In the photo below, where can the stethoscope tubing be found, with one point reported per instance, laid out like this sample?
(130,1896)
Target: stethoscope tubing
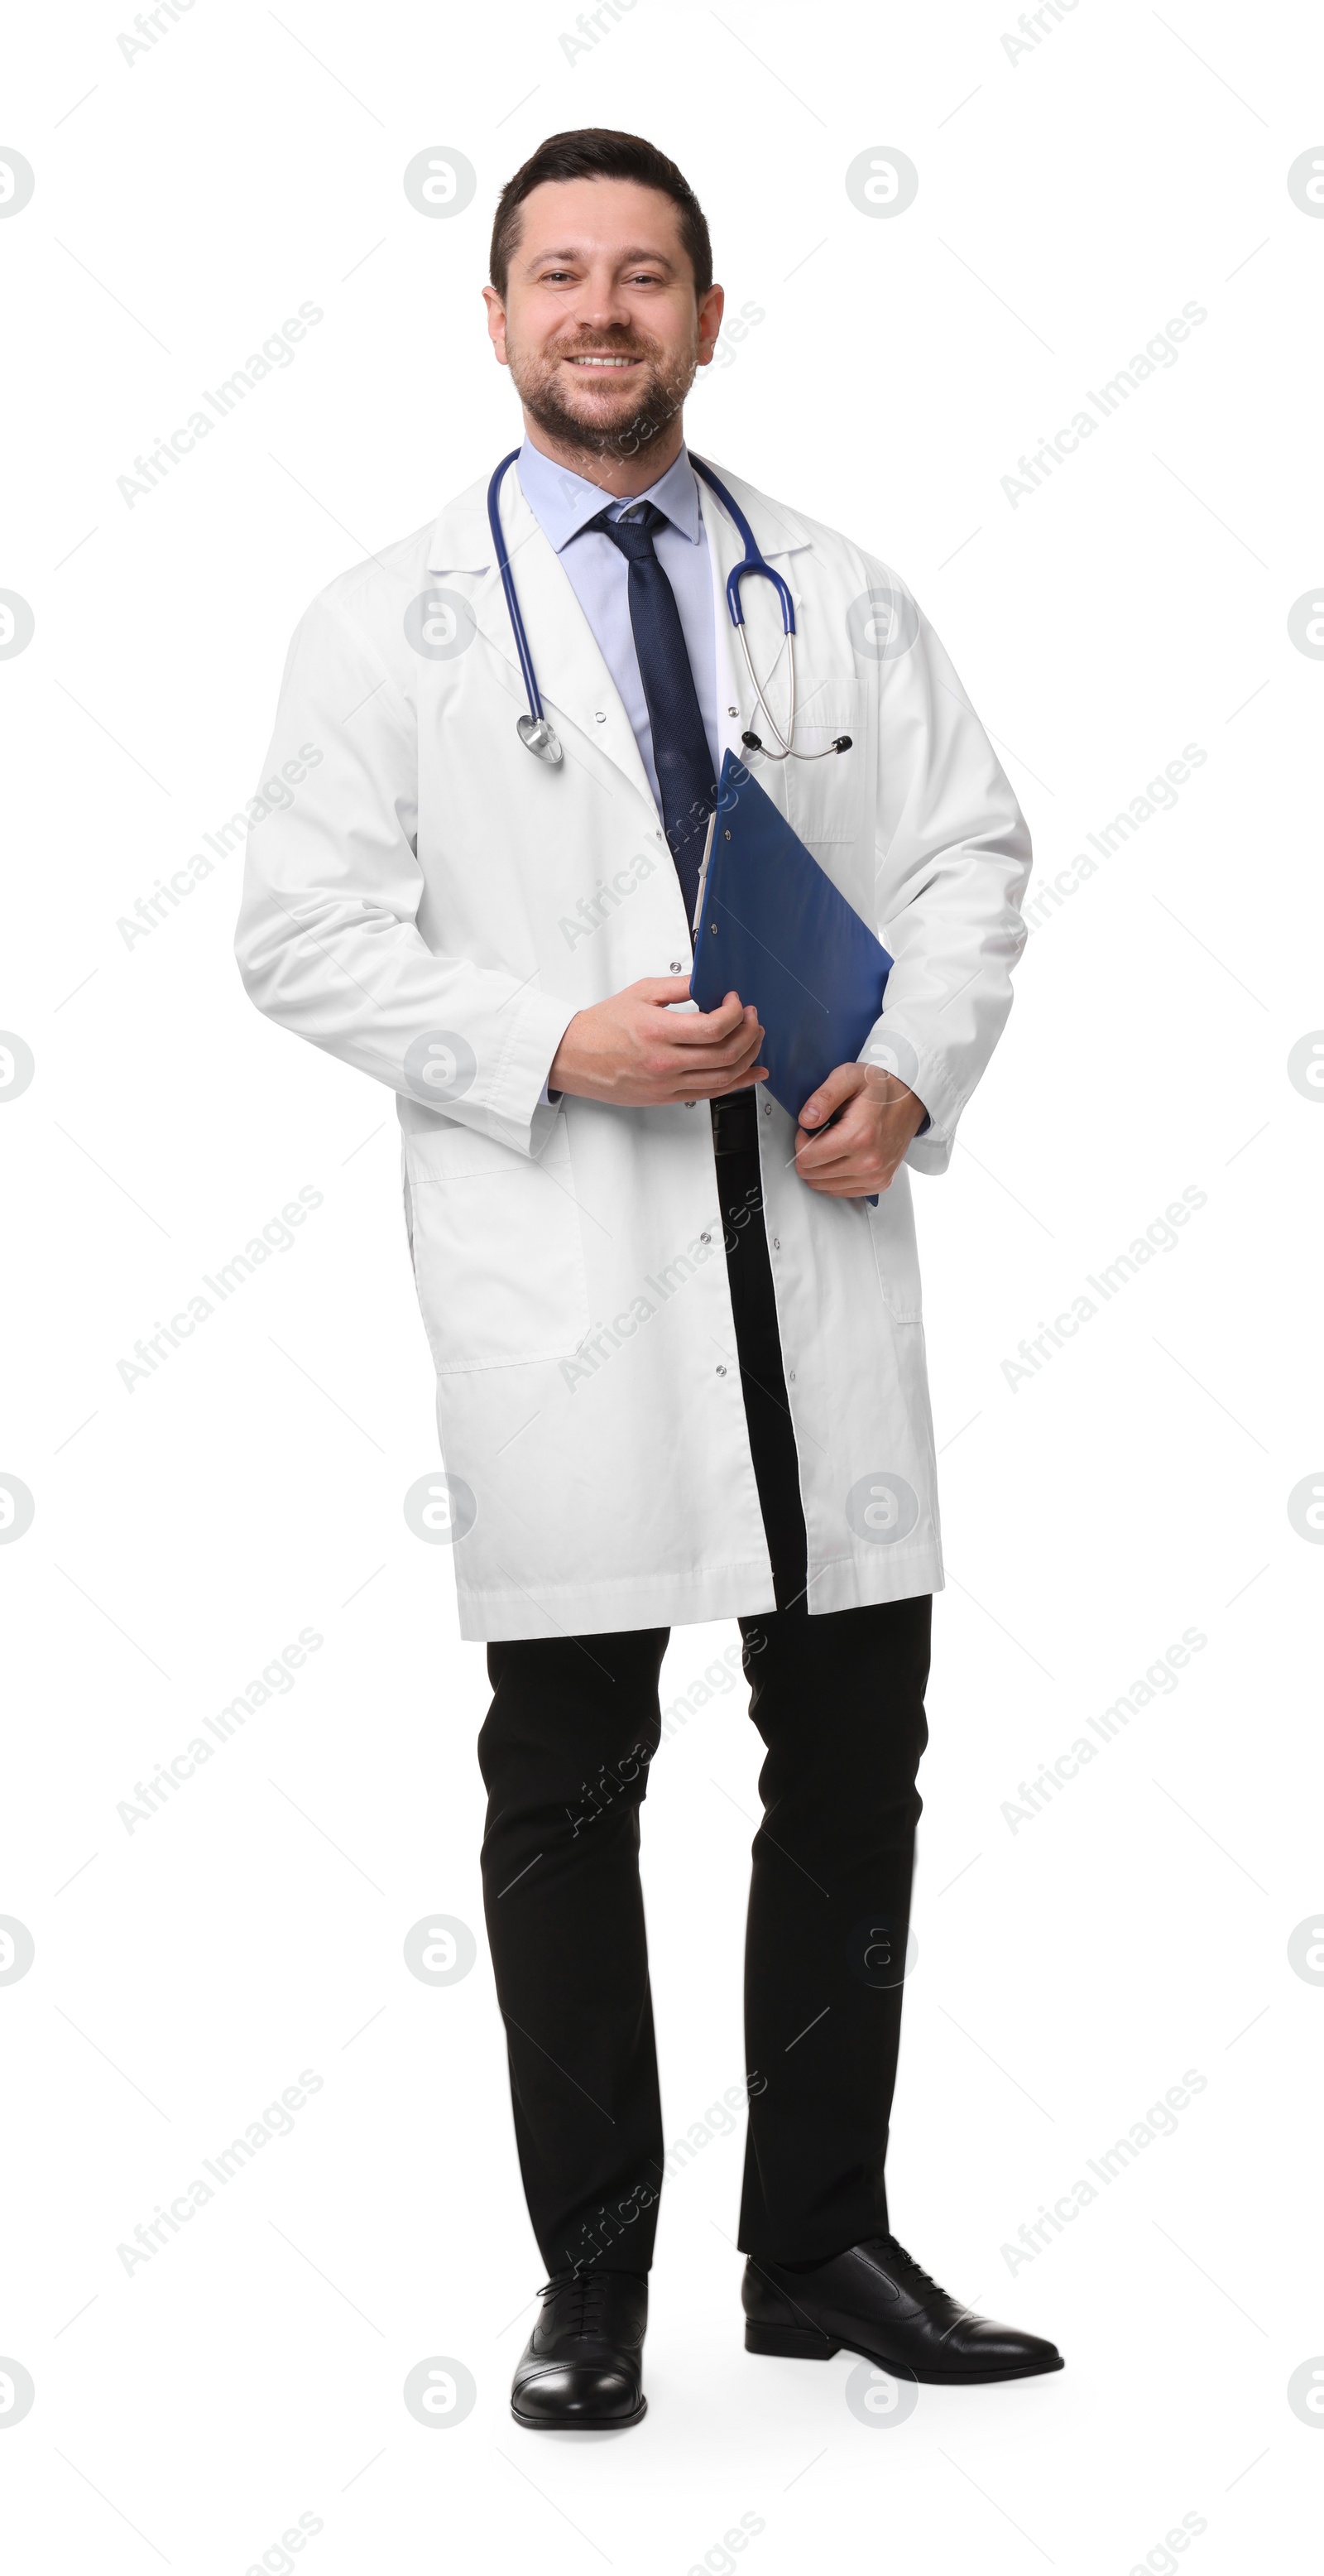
(751,562)
(508,585)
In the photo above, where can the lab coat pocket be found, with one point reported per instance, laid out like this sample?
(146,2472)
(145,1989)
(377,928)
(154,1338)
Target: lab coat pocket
(896,1253)
(825,797)
(497,1253)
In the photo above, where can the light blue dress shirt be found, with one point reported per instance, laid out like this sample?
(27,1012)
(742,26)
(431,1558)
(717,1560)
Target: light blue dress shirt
(563,503)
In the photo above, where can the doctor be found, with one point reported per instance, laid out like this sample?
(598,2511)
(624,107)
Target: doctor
(680,1358)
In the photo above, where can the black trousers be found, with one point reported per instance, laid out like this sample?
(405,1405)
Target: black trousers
(565,1752)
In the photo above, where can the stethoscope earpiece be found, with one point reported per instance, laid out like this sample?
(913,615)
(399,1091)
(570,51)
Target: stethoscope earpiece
(842,743)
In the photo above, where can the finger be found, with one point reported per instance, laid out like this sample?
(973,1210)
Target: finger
(706,1086)
(734,1057)
(742,1046)
(715,1086)
(848,1173)
(700,1028)
(852,1175)
(840,1085)
(661,988)
(836,1175)
(750,1074)
(838,1143)
(856,1185)
(739,1048)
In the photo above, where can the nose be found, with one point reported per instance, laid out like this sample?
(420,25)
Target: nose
(601,303)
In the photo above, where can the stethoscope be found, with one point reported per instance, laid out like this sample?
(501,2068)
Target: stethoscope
(539,735)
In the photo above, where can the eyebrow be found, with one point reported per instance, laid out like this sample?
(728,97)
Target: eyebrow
(575,251)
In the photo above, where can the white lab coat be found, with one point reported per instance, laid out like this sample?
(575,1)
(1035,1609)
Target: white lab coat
(435,905)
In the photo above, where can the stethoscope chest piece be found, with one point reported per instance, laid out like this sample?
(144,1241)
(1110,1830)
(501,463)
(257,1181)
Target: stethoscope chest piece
(537,735)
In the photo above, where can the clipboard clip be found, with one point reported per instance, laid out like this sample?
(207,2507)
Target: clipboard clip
(703,873)
(739,778)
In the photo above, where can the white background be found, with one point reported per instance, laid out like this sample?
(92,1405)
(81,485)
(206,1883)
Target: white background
(1069,1972)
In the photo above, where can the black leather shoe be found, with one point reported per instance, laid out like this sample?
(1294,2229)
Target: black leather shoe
(875,2300)
(582,2367)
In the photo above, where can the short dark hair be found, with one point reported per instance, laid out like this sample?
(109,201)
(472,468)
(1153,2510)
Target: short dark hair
(599,152)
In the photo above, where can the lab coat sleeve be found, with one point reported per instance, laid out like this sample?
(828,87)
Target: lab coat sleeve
(952,861)
(328,942)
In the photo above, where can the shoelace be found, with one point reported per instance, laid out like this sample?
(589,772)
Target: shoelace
(586,2296)
(898,2254)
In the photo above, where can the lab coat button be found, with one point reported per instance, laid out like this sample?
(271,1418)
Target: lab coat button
(721,1368)
(600,713)
(776,1242)
(676,968)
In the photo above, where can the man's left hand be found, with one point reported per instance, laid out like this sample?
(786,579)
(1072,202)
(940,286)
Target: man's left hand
(861,1151)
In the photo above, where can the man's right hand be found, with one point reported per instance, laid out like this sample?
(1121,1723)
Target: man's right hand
(636,1051)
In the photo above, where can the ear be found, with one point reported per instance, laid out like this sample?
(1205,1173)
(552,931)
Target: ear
(711,308)
(496,323)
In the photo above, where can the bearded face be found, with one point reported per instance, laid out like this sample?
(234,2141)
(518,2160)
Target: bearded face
(607,393)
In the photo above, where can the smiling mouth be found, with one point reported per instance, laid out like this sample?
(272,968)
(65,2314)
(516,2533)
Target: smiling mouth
(594,359)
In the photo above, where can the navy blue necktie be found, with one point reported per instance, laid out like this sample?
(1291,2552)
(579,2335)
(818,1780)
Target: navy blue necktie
(681,755)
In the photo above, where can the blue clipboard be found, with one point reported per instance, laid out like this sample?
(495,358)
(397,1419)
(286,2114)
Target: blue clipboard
(772,927)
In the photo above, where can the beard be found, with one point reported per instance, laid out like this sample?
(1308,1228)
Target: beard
(651,404)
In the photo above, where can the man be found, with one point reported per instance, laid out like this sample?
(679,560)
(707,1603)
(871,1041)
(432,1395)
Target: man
(679,1353)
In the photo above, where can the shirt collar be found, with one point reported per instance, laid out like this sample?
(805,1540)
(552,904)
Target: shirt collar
(563,503)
